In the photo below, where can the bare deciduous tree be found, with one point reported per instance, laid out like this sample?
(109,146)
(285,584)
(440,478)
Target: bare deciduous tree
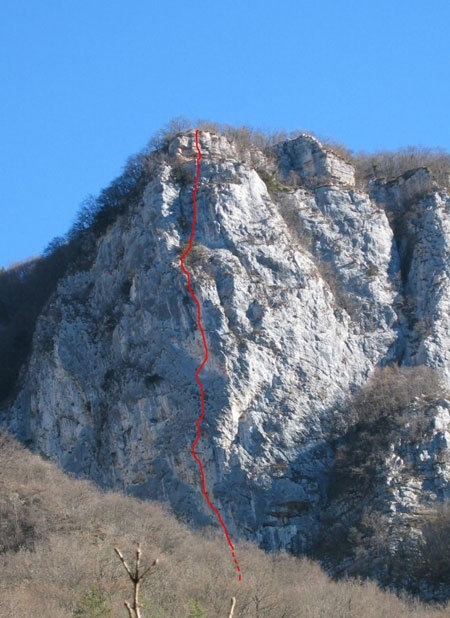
(136,577)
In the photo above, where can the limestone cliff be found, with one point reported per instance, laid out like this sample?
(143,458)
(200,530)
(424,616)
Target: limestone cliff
(304,289)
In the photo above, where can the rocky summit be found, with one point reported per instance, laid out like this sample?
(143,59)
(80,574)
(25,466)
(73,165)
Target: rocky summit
(314,289)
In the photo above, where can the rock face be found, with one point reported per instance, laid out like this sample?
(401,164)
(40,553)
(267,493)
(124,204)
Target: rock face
(303,293)
(315,165)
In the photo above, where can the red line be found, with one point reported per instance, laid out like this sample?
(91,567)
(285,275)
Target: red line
(205,359)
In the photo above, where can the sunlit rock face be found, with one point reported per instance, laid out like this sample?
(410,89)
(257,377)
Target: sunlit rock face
(314,164)
(304,290)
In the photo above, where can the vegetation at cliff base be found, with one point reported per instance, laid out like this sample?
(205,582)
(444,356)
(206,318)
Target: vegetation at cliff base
(57,536)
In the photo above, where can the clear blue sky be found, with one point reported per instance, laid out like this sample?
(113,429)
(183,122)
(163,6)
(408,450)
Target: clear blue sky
(85,83)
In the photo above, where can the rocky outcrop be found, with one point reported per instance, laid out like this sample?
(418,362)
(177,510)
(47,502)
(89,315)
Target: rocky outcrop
(419,218)
(314,164)
(303,294)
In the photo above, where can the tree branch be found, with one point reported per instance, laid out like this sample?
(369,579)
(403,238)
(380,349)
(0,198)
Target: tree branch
(233,603)
(127,568)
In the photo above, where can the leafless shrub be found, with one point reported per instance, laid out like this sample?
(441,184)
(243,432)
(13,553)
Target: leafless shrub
(275,183)
(424,558)
(182,173)
(342,299)
(198,258)
(393,397)
(209,125)
(387,165)
(434,549)
(337,148)
(391,390)
(161,139)
(244,137)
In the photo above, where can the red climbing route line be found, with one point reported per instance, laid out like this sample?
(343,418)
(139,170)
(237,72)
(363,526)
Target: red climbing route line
(204,361)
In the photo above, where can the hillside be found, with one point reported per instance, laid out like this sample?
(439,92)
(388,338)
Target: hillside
(56,553)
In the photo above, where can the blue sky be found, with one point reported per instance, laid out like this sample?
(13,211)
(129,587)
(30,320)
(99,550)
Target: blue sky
(86,83)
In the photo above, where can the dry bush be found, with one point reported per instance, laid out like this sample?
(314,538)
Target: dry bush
(343,299)
(182,173)
(335,147)
(391,390)
(429,557)
(245,137)
(387,165)
(393,397)
(161,139)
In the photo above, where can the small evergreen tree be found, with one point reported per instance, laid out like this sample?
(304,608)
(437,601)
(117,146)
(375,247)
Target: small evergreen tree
(93,604)
(195,609)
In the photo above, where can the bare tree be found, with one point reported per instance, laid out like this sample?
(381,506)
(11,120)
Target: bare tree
(136,577)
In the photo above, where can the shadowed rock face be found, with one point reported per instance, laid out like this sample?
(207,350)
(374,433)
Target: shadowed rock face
(303,293)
